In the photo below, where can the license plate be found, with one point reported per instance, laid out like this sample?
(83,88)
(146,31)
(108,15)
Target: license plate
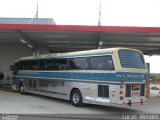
(135,94)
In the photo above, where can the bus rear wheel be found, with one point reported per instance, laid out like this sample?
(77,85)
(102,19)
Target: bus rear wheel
(22,89)
(76,98)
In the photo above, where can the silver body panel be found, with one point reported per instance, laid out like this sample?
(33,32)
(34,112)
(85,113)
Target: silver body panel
(62,89)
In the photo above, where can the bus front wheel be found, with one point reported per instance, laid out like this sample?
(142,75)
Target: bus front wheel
(76,98)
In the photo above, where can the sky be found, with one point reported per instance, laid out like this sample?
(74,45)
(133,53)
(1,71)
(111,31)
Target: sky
(86,12)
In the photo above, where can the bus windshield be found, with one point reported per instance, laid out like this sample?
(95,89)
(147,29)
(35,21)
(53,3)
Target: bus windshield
(131,59)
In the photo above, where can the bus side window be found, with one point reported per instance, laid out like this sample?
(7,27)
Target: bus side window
(47,65)
(79,64)
(16,66)
(33,65)
(23,65)
(41,65)
(61,64)
(72,64)
(56,65)
(102,63)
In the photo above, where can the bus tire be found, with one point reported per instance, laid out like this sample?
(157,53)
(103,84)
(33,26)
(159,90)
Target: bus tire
(22,89)
(76,98)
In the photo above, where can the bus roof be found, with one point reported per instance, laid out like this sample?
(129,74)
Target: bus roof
(78,53)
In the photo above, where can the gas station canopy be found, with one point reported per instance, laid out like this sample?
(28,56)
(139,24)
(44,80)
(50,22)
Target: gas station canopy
(64,38)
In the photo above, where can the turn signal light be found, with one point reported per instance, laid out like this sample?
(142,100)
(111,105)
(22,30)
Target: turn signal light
(122,92)
(122,86)
(122,80)
(121,97)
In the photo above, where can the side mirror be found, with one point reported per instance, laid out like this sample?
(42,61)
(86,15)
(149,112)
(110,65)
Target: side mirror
(12,68)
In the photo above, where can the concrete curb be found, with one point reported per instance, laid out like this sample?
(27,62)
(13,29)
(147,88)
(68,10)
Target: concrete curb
(9,92)
(8,89)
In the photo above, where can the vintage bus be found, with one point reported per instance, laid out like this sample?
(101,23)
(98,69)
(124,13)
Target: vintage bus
(114,76)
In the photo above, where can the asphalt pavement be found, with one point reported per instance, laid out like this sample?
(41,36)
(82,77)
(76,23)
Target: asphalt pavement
(15,103)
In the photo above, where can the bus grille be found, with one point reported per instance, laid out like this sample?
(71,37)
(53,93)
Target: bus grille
(103,91)
(128,90)
(142,92)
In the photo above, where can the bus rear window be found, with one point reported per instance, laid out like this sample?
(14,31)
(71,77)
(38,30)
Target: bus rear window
(131,59)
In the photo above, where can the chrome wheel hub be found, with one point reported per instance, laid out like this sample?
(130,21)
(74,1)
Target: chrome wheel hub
(22,89)
(76,98)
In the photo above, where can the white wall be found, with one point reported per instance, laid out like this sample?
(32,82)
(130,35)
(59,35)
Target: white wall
(10,53)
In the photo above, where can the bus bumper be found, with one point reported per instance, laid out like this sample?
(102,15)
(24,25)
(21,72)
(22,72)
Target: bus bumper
(130,103)
(109,102)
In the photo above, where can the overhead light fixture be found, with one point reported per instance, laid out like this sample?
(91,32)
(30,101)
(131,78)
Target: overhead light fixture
(23,41)
(29,45)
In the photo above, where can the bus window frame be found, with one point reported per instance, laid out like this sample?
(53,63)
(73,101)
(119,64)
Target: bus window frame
(102,56)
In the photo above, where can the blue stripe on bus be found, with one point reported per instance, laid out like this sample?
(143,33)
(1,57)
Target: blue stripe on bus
(80,80)
(116,77)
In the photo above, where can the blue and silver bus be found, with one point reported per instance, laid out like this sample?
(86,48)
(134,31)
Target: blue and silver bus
(114,76)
